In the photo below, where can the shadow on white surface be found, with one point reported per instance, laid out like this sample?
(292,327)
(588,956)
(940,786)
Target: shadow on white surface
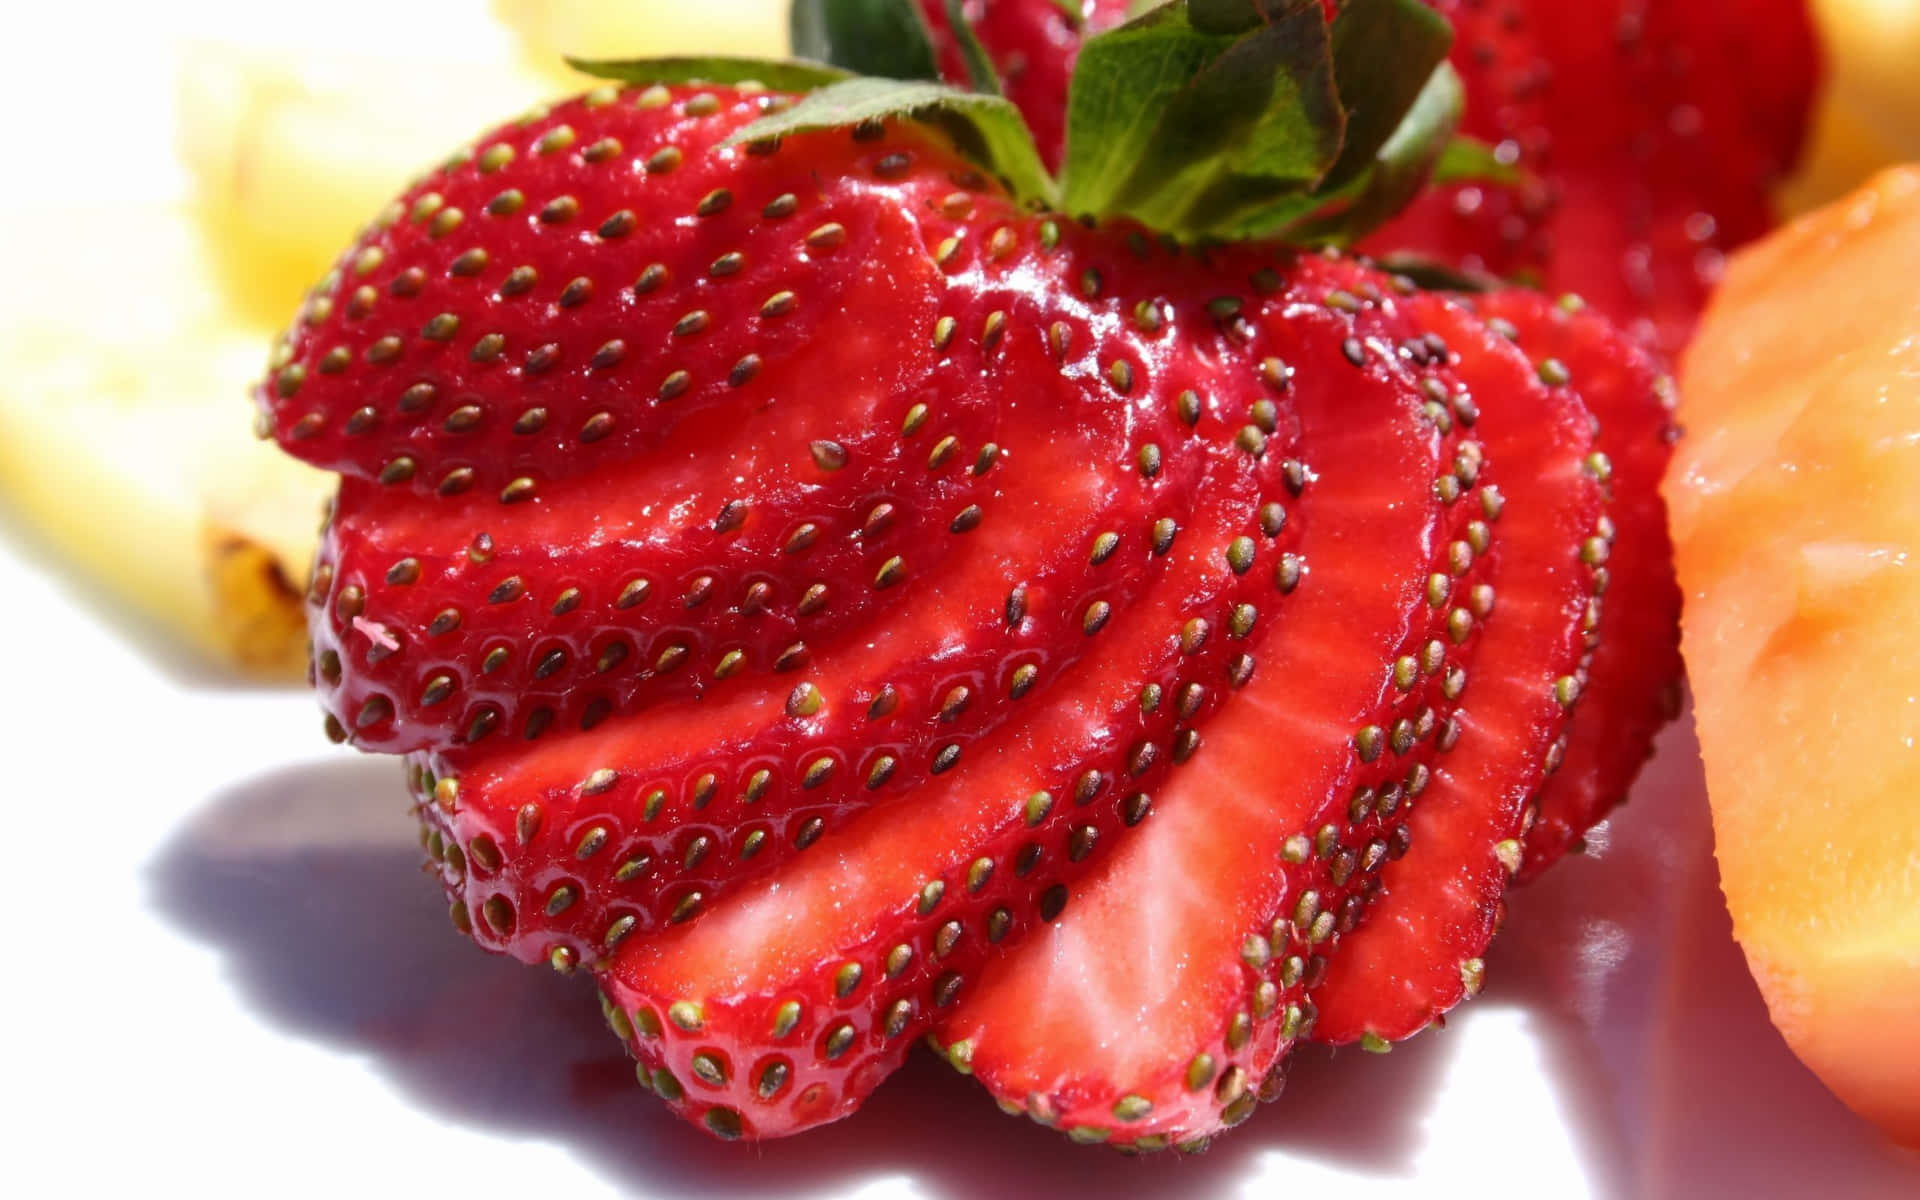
(1668,1067)
(308,879)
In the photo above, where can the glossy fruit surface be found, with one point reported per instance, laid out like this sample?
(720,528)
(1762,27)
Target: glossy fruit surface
(812,584)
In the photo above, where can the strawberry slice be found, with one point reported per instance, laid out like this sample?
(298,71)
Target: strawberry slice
(1199,937)
(554,544)
(552,301)
(777,1031)
(1634,681)
(560,842)
(697,795)
(1417,953)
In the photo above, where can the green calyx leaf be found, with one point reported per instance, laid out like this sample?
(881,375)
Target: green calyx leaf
(1469,160)
(1207,120)
(1223,16)
(1384,55)
(1233,119)
(781,75)
(883,38)
(1185,129)
(986,129)
(1389,181)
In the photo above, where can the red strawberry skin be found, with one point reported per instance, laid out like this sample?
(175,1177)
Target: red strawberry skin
(1652,134)
(1634,680)
(507,641)
(1145,474)
(1160,1007)
(1631,204)
(916,896)
(533,452)
(789,940)
(1418,951)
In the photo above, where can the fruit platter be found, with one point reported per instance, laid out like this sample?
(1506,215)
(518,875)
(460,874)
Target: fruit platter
(1215,595)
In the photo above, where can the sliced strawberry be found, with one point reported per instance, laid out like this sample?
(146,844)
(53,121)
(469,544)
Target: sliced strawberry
(695,795)
(1001,560)
(1634,680)
(571,293)
(1650,136)
(1200,936)
(596,832)
(590,559)
(798,995)
(1418,950)
(915,897)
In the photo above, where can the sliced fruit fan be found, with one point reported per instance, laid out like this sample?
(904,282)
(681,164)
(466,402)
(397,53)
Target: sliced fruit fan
(851,560)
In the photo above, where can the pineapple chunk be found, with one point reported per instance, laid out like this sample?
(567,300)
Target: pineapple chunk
(290,154)
(549,30)
(128,446)
(1869,111)
(289,157)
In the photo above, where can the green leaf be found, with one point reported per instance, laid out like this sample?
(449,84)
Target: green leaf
(1123,81)
(1470,160)
(987,129)
(1187,130)
(885,38)
(783,75)
(979,65)
(1225,16)
(1384,53)
(1400,168)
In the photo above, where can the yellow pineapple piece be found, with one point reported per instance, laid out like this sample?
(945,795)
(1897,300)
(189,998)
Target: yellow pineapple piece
(290,155)
(128,446)
(551,30)
(1868,115)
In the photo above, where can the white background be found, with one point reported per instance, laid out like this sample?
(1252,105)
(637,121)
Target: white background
(227,976)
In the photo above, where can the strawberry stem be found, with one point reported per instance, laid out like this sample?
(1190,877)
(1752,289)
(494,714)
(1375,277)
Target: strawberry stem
(1206,120)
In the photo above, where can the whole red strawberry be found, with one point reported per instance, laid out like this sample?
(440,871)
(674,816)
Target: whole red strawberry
(834,598)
